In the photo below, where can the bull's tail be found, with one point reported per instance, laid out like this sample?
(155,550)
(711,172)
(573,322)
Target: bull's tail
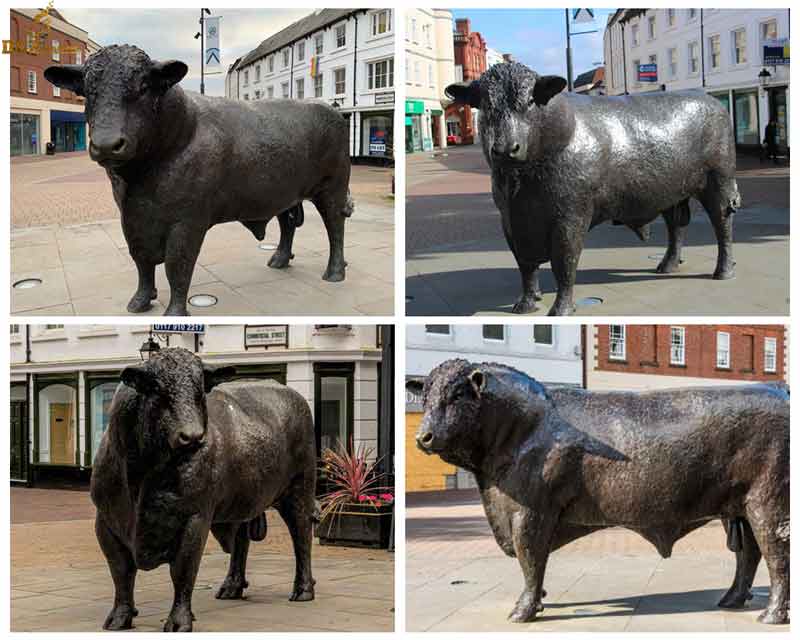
(257,527)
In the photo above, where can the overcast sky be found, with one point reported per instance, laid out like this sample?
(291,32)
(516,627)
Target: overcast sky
(537,37)
(169,34)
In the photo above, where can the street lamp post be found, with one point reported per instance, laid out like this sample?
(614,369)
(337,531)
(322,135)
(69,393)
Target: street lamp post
(569,48)
(202,35)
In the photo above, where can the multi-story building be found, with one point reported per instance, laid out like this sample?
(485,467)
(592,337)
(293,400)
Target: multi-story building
(493,57)
(549,353)
(740,56)
(470,63)
(429,70)
(40,111)
(63,379)
(591,83)
(342,56)
(639,357)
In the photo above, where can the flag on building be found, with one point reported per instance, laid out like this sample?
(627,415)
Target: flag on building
(211,54)
(314,66)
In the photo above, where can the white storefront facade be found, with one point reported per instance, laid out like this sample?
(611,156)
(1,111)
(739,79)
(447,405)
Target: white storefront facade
(429,68)
(721,51)
(63,378)
(342,56)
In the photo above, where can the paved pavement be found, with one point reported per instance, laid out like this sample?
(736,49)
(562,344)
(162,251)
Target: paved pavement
(85,268)
(457,579)
(458,262)
(60,581)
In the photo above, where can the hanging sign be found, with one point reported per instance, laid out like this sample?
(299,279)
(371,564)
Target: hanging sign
(212,54)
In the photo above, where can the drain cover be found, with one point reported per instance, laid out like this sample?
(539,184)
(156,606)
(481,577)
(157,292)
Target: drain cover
(203,300)
(267,246)
(27,283)
(589,301)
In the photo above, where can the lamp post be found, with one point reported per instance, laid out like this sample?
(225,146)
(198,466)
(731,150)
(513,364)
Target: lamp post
(202,35)
(569,48)
(763,77)
(150,346)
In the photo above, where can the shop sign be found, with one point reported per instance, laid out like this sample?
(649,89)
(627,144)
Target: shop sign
(384,98)
(179,328)
(415,106)
(776,52)
(266,335)
(648,72)
(377,142)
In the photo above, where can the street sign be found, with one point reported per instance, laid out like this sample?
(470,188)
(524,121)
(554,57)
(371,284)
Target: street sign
(384,98)
(212,52)
(179,328)
(775,52)
(582,15)
(648,72)
(266,335)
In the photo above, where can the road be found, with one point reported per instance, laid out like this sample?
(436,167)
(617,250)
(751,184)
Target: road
(457,578)
(458,262)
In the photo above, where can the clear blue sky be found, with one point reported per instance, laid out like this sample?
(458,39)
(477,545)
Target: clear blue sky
(537,37)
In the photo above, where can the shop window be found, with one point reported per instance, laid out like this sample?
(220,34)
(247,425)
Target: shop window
(377,135)
(543,334)
(745,106)
(677,346)
(380,75)
(333,404)
(19,431)
(723,350)
(57,424)
(101,394)
(24,134)
(770,355)
(341,35)
(616,342)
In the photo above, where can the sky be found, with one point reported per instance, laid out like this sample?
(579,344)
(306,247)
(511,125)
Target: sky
(537,37)
(169,34)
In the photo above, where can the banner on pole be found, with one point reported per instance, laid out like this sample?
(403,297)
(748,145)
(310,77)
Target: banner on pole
(212,54)
(582,15)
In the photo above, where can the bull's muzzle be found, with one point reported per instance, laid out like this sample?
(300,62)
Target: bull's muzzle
(425,441)
(187,439)
(110,150)
(509,152)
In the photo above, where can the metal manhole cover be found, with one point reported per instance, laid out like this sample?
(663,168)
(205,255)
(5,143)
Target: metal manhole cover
(27,283)
(203,300)
(267,246)
(589,301)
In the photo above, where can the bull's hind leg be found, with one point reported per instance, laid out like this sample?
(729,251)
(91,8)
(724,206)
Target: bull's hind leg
(146,291)
(677,220)
(334,205)
(771,532)
(747,560)
(283,254)
(234,539)
(296,508)
(720,200)
(123,573)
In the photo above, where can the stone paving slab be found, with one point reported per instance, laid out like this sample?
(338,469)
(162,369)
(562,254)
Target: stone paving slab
(86,270)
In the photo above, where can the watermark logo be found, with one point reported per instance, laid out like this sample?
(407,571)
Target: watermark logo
(38,42)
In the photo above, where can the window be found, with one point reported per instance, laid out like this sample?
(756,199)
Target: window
(79,57)
(271,64)
(318,85)
(543,334)
(636,70)
(339,78)
(714,51)
(246,78)
(430,75)
(723,350)
(692,14)
(694,62)
(57,424)
(770,355)
(270,92)
(494,332)
(671,17)
(677,346)
(413,30)
(341,35)
(56,91)
(300,88)
(14,328)
(635,35)
(653,59)
(616,342)
(301,51)
(427,31)
(381,22)
(380,75)
(30,43)
(739,46)
(438,329)
(319,44)
(257,95)
(285,89)
(31,82)
(258,73)
(408,70)
(285,58)
(769,30)
(100,398)
(651,28)
(55,47)
(417,72)
(246,96)
(672,54)
(54,327)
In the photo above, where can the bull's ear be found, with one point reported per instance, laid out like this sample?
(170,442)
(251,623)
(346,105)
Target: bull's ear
(415,386)
(66,76)
(212,376)
(165,74)
(139,377)
(463,93)
(546,87)
(478,381)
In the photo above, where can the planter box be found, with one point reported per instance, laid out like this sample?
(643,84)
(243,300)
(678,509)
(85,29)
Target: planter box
(357,525)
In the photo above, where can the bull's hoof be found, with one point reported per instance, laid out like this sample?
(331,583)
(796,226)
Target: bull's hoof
(668,265)
(177,310)
(302,593)
(280,259)
(140,301)
(724,274)
(232,589)
(734,600)
(774,616)
(525,304)
(179,620)
(334,274)
(121,617)
(526,609)
(561,309)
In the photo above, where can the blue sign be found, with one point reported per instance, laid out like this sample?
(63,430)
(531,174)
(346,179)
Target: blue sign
(377,141)
(179,328)
(775,52)
(648,72)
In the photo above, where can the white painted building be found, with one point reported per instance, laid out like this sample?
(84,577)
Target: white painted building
(342,56)
(718,50)
(493,57)
(429,68)
(63,378)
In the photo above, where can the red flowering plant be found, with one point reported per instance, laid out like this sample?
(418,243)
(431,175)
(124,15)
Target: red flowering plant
(354,478)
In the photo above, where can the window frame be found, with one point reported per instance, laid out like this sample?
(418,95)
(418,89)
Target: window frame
(726,351)
(621,339)
(501,340)
(673,360)
(774,353)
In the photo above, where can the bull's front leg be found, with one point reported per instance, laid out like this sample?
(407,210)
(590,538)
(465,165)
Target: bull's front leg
(183,571)
(532,535)
(123,573)
(183,246)
(146,291)
(529,272)
(567,245)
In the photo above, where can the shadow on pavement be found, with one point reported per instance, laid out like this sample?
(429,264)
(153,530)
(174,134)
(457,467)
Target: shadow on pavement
(450,529)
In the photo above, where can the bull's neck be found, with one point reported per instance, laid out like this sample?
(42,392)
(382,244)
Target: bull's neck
(177,122)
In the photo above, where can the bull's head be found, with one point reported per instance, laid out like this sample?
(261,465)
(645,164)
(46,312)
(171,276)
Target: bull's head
(513,101)
(174,383)
(123,89)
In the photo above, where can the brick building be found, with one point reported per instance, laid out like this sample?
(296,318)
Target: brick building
(660,356)
(40,111)
(470,62)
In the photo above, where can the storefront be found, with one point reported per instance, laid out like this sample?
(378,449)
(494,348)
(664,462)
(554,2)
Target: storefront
(68,130)
(377,134)
(24,134)
(746,121)
(778,108)
(19,432)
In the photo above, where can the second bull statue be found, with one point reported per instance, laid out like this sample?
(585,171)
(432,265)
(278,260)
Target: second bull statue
(553,465)
(186,453)
(180,163)
(563,163)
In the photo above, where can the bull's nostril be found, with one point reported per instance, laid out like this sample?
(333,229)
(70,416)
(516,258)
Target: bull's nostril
(426,438)
(119,146)
(183,438)
(515,148)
